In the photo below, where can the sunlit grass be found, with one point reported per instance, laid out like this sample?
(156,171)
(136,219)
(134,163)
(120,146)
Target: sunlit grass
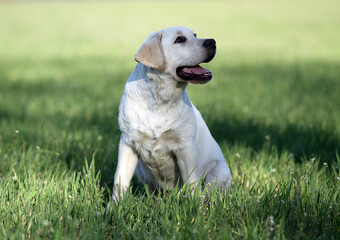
(272,107)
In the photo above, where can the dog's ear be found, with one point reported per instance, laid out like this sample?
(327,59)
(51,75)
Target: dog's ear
(151,53)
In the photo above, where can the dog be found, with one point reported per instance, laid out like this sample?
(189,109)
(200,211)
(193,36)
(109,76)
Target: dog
(164,137)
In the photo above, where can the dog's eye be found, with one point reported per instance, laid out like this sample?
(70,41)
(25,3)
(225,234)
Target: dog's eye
(180,39)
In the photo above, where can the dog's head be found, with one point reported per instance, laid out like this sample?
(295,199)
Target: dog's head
(177,51)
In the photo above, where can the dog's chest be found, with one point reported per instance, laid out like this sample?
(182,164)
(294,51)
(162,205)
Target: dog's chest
(155,146)
(155,131)
(154,136)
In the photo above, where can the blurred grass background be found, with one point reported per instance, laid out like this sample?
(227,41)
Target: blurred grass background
(273,102)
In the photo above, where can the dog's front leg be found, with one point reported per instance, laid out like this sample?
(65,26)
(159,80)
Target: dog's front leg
(127,162)
(187,160)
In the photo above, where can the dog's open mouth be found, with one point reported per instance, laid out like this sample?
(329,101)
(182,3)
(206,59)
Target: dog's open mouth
(195,74)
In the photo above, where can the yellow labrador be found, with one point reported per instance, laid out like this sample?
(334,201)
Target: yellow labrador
(164,137)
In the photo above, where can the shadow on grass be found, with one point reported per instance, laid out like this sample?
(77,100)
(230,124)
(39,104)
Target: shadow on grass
(310,90)
(301,141)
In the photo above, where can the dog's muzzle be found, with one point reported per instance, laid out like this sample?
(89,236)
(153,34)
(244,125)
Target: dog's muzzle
(197,74)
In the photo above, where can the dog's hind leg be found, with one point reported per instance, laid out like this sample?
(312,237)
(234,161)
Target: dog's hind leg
(218,177)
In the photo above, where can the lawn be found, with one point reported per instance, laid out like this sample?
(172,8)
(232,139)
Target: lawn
(273,107)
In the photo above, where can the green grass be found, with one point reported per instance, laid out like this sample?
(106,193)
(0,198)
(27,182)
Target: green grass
(273,107)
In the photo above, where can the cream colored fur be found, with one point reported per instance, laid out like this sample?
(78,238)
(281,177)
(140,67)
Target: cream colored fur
(164,137)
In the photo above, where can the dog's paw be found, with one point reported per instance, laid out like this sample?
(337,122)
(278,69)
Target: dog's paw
(117,195)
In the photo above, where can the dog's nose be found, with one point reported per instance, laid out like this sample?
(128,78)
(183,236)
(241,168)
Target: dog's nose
(209,43)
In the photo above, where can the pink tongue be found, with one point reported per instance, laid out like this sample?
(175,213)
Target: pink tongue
(198,70)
